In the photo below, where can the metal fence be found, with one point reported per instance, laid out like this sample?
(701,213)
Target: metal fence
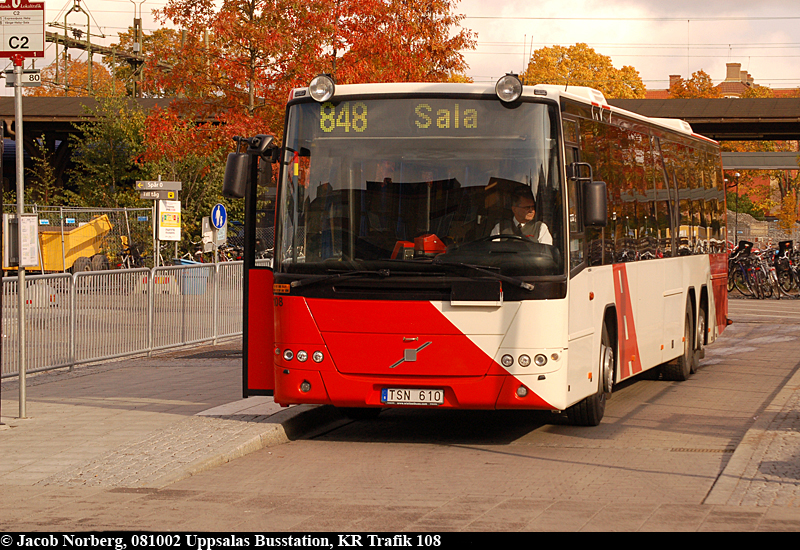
(97,315)
(122,226)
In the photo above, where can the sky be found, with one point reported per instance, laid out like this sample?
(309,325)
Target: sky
(657,38)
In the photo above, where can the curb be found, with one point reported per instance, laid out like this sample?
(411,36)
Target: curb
(301,421)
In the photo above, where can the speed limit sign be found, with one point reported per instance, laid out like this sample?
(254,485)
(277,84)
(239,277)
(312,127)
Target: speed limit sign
(21,28)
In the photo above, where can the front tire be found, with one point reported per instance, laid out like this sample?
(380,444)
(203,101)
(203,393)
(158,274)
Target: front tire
(590,411)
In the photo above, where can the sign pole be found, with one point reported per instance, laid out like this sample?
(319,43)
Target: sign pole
(18,63)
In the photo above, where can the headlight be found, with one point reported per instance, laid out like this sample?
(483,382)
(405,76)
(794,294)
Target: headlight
(524,360)
(540,360)
(507,360)
(508,88)
(302,356)
(321,88)
(288,355)
(318,357)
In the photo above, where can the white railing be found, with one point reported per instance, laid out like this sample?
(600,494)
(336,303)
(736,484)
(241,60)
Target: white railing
(98,315)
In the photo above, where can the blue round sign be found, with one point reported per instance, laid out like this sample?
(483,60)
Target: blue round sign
(219,216)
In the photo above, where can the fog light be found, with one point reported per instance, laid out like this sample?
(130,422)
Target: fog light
(305,387)
(540,360)
(508,88)
(288,355)
(522,391)
(524,360)
(507,360)
(302,356)
(321,88)
(318,357)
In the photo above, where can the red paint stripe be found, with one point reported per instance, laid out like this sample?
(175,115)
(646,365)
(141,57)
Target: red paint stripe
(630,362)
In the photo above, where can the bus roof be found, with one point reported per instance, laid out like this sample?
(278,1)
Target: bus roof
(589,96)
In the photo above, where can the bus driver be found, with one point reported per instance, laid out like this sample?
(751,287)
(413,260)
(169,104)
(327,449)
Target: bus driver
(523,206)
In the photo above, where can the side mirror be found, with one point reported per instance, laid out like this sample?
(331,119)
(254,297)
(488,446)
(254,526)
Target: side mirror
(237,171)
(595,202)
(239,164)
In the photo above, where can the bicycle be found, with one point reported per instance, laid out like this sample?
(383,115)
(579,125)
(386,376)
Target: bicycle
(130,257)
(740,270)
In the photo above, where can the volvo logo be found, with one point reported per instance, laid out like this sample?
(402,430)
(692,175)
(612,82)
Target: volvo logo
(411,354)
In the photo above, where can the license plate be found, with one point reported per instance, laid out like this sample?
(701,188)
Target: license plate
(412,396)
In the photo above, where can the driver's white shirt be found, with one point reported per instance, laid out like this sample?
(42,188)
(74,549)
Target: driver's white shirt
(543,237)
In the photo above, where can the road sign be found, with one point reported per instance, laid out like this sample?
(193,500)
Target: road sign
(219,216)
(21,28)
(159,195)
(30,77)
(158,185)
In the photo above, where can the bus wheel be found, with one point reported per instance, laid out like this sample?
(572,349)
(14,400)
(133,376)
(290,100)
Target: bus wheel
(590,411)
(360,413)
(699,340)
(681,369)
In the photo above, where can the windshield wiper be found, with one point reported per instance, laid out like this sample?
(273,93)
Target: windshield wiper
(383,273)
(483,269)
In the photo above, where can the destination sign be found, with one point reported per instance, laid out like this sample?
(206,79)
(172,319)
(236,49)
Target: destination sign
(424,117)
(158,185)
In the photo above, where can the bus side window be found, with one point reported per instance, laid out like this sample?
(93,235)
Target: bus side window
(576,235)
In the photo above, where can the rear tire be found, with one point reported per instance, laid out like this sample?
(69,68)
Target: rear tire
(699,340)
(741,284)
(99,262)
(681,369)
(82,264)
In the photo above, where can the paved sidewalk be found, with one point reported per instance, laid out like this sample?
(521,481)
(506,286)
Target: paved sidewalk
(141,422)
(149,422)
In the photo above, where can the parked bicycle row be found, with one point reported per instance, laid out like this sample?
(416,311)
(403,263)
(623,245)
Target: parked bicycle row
(768,273)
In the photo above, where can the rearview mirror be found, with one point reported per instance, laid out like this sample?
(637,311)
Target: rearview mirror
(239,165)
(595,202)
(237,170)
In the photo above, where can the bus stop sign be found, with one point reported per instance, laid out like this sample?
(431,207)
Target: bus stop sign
(21,28)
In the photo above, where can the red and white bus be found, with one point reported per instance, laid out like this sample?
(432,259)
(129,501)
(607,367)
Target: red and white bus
(393,282)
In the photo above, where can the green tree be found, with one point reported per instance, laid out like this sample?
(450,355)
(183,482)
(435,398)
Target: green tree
(107,153)
(41,183)
(744,205)
(580,65)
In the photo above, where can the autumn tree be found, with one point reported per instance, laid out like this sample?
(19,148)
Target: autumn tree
(71,78)
(400,41)
(158,47)
(580,65)
(247,54)
(699,86)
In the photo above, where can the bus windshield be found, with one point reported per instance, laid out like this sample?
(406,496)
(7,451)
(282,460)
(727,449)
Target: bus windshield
(412,183)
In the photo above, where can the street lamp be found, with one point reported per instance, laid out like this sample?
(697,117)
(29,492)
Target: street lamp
(736,226)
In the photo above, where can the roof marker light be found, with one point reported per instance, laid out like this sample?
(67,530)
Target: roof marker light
(508,88)
(322,88)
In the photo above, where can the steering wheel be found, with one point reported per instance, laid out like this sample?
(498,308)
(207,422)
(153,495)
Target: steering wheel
(503,236)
